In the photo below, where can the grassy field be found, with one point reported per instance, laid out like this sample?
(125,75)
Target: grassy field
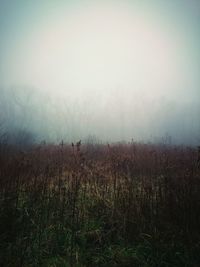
(100,205)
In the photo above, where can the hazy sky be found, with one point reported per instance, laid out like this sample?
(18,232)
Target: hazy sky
(115,69)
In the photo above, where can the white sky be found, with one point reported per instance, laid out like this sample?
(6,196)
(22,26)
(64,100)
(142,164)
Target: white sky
(105,57)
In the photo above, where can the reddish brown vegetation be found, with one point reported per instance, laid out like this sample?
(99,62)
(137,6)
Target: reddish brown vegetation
(100,195)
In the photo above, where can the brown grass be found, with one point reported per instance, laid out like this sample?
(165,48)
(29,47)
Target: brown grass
(58,200)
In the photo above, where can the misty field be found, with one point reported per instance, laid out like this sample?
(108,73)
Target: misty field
(100,205)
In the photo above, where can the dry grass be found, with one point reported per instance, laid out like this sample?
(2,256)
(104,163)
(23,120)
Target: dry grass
(100,205)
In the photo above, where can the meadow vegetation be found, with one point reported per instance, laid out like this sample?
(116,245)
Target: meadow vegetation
(123,204)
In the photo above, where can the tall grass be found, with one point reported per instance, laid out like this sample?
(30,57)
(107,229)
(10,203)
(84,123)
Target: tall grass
(100,205)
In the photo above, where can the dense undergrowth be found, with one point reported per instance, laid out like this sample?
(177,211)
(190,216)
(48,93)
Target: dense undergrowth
(100,205)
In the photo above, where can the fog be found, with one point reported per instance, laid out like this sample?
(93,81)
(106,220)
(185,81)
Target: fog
(116,71)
